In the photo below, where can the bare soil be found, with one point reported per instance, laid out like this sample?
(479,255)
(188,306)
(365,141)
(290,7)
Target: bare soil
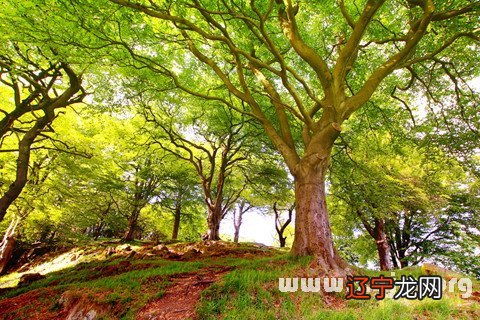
(180,299)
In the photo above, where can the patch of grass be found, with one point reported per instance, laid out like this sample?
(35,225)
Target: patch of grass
(126,292)
(251,292)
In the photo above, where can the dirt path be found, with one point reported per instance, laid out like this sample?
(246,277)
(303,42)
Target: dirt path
(180,299)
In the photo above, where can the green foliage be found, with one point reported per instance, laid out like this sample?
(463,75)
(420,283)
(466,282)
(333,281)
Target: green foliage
(421,192)
(171,86)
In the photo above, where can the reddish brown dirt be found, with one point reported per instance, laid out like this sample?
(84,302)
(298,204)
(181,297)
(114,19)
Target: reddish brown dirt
(475,296)
(33,303)
(180,299)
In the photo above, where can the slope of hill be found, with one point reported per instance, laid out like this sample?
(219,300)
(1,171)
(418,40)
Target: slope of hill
(212,280)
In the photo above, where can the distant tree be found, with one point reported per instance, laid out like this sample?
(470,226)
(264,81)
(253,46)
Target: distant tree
(270,188)
(216,150)
(239,209)
(179,192)
(142,184)
(281,225)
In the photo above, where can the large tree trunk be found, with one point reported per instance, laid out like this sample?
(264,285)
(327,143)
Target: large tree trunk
(313,235)
(383,248)
(23,160)
(213,220)
(132,225)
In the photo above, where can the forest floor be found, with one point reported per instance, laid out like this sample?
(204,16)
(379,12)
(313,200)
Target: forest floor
(208,280)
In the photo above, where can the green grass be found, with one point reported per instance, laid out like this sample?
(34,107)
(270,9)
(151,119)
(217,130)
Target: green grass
(127,292)
(248,291)
(251,292)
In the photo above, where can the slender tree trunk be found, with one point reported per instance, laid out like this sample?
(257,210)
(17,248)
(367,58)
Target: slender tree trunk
(98,230)
(7,245)
(282,240)
(395,264)
(279,226)
(403,260)
(313,235)
(237,222)
(176,221)
(238,213)
(101,222)
(24,146)
(401,239)
(377,232)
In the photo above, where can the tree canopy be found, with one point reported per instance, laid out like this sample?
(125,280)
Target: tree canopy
(216,84)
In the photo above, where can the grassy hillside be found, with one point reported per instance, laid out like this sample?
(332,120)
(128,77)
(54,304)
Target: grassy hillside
(196,281)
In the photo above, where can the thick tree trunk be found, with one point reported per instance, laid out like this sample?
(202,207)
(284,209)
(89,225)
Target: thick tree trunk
(383,248)
(213,221)
(176,222)
(23,160)
(132,225)
(313,235)
(384,254)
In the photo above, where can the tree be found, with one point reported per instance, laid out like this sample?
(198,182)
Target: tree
(179,193)
(320,116)
(216,150)
(38,174)
(400,192)
(280,225)
(240,208)
(456,244)
(270,188)
(367,183)
(90,197)
(142,186)
(37,93)
(268,60)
